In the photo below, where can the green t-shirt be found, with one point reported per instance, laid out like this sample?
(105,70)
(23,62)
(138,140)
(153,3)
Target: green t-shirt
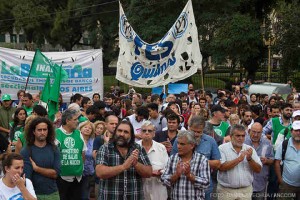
(28,110)
(71,147)
(276,127)
(221,129)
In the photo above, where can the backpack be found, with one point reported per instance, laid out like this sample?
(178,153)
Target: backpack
(284,148)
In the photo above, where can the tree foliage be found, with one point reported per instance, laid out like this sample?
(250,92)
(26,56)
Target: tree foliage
(288,35)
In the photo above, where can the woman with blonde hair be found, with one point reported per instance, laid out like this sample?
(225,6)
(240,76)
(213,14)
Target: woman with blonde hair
(87,130)
(99,128)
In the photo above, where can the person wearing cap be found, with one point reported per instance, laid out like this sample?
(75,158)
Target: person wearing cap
(289,179)
(6,115)
(220,127)
(285,134)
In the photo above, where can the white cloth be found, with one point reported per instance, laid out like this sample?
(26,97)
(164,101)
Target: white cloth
(153,187)
(241,175)
(175,57)
(7,193)
(137,126)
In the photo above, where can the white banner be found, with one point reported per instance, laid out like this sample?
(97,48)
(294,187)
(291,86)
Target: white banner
(175,57)
(84,68)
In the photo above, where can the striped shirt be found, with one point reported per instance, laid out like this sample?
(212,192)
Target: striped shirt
(126,185)
(184,188)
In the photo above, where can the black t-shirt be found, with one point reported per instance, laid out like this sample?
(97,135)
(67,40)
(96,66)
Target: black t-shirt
(3,143)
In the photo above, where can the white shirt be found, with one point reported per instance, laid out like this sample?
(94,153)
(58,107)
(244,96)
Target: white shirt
(14,193)
(153,187)
(241,175)
(137,126)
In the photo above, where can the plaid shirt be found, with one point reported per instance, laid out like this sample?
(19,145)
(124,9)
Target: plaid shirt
(126,185)
(184,188)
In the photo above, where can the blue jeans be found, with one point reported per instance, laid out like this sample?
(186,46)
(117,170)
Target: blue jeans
(209,190)
(85,187)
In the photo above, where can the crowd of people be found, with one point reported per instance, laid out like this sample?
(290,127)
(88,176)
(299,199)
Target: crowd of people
(144,146)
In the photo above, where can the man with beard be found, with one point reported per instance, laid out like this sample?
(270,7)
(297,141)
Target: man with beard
(121,164)
(238,162)
(275,125)
(205,145)
(289,178)
(41,158)
(246,120)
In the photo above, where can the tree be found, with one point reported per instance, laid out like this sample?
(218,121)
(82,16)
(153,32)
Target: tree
(6,17)
(288,35)
(238,40)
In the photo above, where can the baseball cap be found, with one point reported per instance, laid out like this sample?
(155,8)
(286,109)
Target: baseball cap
(6,97)
(296,113)
(296,125)
(216,108)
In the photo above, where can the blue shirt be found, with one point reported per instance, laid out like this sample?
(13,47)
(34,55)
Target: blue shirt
(46,157)
(89,163)
(208,147)
(260,179)
(291,164)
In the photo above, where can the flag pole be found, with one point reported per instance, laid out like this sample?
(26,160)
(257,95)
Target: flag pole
(29,72)
(202,79)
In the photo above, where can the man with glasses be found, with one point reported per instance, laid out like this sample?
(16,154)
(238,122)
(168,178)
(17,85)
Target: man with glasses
(72,150)
(264,150)
(238,162)
(158,156)
(206,145)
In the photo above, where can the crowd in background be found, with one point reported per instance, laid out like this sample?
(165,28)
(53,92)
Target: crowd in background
(194,145)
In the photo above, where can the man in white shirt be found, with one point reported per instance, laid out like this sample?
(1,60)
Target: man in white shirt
(137,119)
(238,162)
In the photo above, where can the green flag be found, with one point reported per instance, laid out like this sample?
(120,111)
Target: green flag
(46,91)
(42,66)
(54,95)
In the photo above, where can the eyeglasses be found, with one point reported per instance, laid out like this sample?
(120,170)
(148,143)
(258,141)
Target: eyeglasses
(147,130)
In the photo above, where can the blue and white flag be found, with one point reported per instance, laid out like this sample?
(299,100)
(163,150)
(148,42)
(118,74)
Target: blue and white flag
(175,57)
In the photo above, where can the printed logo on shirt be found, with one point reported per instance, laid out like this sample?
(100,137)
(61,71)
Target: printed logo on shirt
(69,142)
(16,197)
(218,131)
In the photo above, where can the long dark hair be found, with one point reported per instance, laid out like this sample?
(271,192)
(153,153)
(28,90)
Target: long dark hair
(16,119)
(31,128)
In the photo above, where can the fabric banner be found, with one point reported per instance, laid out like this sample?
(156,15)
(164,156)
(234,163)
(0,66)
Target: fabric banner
(175,57)
(84,69)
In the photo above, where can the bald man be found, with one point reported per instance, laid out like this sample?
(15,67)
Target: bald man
(264,150)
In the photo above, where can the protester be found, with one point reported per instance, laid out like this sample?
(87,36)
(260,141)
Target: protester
(40,144)
(205,145)
(6,113)
(288,154)
(187,172)
(157,153)
(264,150)
(238,162)
(87,130)
(121,164)
(72,150)
(14,185)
